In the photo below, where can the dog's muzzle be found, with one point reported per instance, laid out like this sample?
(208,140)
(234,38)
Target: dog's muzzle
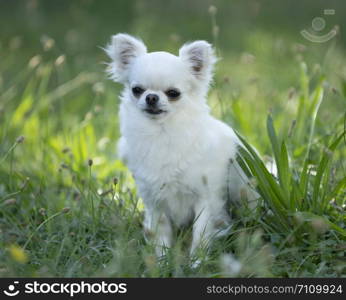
(151,101)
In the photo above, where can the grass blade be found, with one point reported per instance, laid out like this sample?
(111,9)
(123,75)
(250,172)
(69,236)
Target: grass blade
(281,159)
(326,157)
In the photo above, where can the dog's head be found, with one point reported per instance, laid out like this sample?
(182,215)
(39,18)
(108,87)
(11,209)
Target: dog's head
(160,83)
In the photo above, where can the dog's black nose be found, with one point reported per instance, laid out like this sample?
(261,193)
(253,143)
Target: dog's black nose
(152,99)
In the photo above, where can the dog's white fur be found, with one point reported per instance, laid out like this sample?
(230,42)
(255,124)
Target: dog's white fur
(182,158)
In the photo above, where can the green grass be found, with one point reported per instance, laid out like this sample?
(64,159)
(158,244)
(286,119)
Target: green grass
(68,206)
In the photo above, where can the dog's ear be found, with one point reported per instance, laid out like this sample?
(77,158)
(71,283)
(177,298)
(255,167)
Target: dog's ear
(200,58)
(123,49)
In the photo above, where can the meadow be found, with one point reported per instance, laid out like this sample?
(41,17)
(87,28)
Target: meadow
(69,206)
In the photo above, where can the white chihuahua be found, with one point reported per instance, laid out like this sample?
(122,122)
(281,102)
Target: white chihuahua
(182,159)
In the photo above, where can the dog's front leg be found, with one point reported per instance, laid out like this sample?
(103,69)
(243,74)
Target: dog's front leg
(158,229)
(203,229)
(210,222)
(201,234)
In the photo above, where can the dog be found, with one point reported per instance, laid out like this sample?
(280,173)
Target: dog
(182,159)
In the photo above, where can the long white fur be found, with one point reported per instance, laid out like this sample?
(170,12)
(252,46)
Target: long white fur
(180,159)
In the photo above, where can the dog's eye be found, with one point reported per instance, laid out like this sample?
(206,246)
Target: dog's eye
(173,94)
(137,90)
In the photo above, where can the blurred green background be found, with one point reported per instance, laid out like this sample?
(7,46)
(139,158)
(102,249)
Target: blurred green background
(259,42)
(55,93)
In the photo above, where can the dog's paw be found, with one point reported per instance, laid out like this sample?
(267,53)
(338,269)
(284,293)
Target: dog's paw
(196,264)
